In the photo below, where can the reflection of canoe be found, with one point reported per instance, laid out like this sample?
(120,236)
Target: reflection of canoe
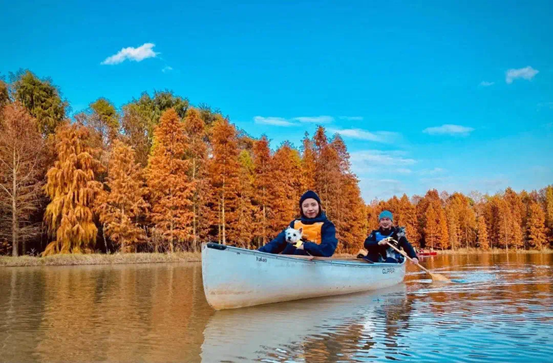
(257,333)
(235,277)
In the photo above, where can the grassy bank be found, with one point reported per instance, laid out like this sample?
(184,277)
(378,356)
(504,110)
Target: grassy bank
(100,259)
(180,257)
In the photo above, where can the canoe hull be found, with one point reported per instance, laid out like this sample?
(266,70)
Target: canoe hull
(235,277)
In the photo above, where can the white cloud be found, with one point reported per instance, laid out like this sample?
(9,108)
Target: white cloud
(275,121)
(135,54)
(525,73)
(167,69)
(351,118)
(486,84)
(381,189)
(449,130)
(378,136)
(371,161)
(314,119)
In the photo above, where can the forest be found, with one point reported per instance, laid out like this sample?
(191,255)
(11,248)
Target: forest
(162,175)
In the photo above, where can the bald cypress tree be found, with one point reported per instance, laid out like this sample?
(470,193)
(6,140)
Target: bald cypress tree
(168,182)
(71,187)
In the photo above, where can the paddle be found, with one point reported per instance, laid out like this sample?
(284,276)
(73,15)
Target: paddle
(434,276)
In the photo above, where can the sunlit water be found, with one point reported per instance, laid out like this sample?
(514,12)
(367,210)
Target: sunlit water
(500,309)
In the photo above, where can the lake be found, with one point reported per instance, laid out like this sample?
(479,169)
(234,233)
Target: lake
(500,309)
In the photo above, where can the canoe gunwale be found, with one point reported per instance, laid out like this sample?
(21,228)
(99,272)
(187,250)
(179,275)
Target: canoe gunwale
(304,259)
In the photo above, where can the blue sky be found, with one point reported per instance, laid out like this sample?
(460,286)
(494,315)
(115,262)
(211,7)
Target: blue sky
(456,96)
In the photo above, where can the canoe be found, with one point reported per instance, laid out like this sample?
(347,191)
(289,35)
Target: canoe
(235,277)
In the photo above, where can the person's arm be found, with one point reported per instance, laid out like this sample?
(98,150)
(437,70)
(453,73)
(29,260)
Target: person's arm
(328,242)
(277,245)
(407,247)
(370,242)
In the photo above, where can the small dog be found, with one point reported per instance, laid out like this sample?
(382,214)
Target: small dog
(293,236)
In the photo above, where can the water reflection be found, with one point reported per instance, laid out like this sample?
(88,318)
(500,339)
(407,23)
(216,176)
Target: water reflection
(326,329)
(99,313)
(501,312)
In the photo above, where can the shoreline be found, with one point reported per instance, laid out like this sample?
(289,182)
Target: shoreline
(184,257)
(494,251)
(100,259)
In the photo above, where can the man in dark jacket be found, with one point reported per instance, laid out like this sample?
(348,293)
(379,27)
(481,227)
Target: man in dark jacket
(319,233)
(377,246)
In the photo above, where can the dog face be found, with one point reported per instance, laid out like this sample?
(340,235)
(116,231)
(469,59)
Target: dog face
(293,235)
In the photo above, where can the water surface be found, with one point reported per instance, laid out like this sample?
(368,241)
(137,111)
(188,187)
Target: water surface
(500,310)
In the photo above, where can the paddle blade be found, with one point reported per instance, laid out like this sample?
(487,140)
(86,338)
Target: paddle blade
(438,277)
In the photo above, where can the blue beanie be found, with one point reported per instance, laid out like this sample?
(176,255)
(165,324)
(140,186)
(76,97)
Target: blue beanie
(385,214)
(310,194)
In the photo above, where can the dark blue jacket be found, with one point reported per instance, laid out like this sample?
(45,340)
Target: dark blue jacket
(325,249)
(373,248)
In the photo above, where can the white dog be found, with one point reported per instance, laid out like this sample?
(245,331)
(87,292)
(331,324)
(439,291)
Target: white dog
(293,236)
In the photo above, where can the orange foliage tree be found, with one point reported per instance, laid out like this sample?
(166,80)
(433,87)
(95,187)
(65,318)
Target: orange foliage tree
(482,232)
(536,226)
(245,209)
(72,187)
(168,182)
(224,171)
(432,228)
(308,164)
(197,154)
(262,183)
(284,188)
(122,203)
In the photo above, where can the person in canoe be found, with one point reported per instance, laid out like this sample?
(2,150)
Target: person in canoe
(319,234)
(377,246)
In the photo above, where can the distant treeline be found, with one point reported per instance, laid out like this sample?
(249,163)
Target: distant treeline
(161,175)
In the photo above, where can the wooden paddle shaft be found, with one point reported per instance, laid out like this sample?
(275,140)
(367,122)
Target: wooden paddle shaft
(405,255)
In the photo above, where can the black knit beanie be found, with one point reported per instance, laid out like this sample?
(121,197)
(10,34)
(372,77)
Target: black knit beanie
(310,194)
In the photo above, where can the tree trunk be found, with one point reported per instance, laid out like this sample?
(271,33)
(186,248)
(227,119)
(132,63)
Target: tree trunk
(194,228)
(104,237)
(15,241)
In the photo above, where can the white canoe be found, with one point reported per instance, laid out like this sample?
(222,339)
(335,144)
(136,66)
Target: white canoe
(236,277)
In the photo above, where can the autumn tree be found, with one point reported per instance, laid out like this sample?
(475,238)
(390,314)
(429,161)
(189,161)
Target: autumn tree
(197,155)
(452,225)
(308,161)
(20,174)
(548,203)
(168,182)
(122,203)
(408,219)
(328,174)
(482,232)
(285,187)
(517,211)
(262,182)
(41,99)
(71,187)
(224,175)
(245,208)
(432,228)
(141,116)
(536,226)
